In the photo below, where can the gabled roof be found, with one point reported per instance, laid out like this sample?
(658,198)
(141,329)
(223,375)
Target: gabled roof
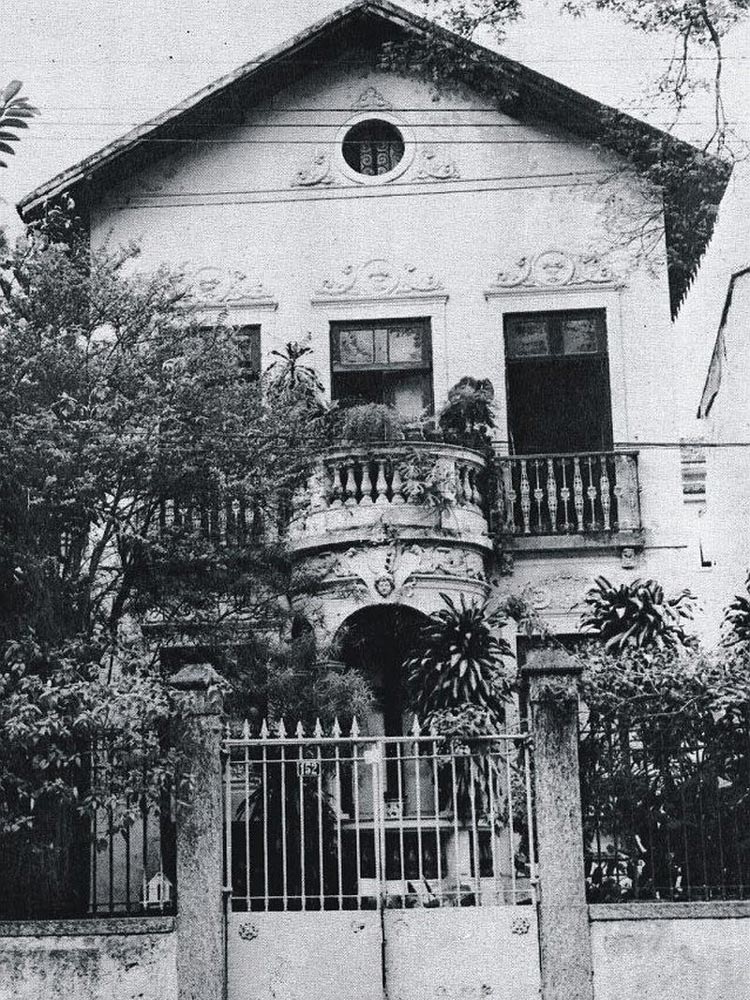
(531,96)
(715,366)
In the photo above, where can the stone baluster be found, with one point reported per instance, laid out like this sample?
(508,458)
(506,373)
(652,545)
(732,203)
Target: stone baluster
(578,492)
(476,493)
(538,494)
(381,483)
(397,486)
(525,498)
(348,483)
(552,494)
(367,483)
(318,486)
(337,492)
(604,493)
(462,484)
(510,496)
(565,495)
(591,491)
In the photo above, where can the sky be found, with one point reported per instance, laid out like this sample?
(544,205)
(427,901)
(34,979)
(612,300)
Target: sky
(95,68)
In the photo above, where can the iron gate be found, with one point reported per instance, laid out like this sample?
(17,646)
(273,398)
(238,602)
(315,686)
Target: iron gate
(361,866)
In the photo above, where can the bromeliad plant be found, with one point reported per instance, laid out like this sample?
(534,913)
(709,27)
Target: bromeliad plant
(459,664)
(637,614)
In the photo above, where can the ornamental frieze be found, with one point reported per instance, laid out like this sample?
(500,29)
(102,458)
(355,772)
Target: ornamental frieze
(554,269)
(434,165)
(316,172)
(215,286)
(379,278)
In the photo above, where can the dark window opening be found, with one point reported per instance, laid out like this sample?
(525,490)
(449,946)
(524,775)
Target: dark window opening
(383,361)
(557,375)
(247,341)
(373,147)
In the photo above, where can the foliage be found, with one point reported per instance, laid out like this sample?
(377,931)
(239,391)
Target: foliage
(664,748)
(370,423)
(289,374)
(15,112)
(468,415)
(112,403)
(458,664)
(736,624)
(636,614)
(293,681)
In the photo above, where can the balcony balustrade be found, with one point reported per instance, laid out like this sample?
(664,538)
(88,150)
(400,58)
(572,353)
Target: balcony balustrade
(419,487)
(591,494)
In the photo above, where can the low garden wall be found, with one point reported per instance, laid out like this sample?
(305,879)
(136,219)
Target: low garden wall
(671,951)
(128,958)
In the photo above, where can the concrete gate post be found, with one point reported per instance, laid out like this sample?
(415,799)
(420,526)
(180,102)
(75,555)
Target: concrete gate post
(200,913)
(552,678)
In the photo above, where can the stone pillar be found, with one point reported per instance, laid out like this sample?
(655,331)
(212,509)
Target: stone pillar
(551,679)
(200,907)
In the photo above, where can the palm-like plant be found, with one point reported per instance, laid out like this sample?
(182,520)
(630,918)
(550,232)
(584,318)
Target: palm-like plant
(736,624)
(459,662)
(14,114)
(637,614)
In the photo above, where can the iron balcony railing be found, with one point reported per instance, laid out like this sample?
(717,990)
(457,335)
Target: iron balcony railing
(363,822)
(572,494)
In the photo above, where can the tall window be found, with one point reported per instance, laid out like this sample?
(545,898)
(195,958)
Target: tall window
(247,339)
(557,375)
(383,361)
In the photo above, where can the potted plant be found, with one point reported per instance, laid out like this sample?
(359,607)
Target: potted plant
(467,417)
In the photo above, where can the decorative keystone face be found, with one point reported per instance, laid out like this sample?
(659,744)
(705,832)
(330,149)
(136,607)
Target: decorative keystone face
(248,932)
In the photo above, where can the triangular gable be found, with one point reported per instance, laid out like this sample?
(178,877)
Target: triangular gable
(532,96)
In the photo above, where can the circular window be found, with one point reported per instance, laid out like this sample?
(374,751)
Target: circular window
(373,147)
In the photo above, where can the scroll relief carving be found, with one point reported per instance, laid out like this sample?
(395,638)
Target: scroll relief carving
(213,286)
(316,172)
(391,569)
(434,165)
(553,269)
(379,278)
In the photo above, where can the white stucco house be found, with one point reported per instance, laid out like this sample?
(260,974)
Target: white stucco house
(421,232)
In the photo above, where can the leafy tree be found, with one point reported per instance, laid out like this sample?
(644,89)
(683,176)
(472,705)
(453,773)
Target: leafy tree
(736,622)
(15,112)
(144,483)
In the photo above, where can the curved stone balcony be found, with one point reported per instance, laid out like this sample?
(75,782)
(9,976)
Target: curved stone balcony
(413,490)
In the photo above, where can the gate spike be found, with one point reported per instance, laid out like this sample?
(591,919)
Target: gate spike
(299,731)
(246,730)
(281,729)
(264,729)
(336,730)
(416,729)
(318,731)
(355,728)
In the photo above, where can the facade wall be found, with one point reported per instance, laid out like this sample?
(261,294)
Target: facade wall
(113,959)
(652,958)
(282,234)
(728,456)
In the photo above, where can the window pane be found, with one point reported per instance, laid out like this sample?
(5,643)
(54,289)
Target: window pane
(528,337)
(356,347)
(381,347)
(580,335)
(405,345)
(247,339)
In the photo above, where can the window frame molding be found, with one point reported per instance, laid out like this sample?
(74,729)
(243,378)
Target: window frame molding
(504,302)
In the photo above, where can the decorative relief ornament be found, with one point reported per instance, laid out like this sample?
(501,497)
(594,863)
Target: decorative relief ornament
(212,286)
(435,166)
(520,925)
(377,279)
(316,172)
(371,100)
(248,932)
(554,269)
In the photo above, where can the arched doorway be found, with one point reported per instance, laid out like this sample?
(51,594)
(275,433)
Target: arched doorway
(376,640)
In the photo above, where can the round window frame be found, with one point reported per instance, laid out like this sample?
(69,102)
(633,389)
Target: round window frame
(374,180)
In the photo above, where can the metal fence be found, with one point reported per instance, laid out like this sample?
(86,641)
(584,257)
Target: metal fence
(119,859)
(358,822)
(665,818)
